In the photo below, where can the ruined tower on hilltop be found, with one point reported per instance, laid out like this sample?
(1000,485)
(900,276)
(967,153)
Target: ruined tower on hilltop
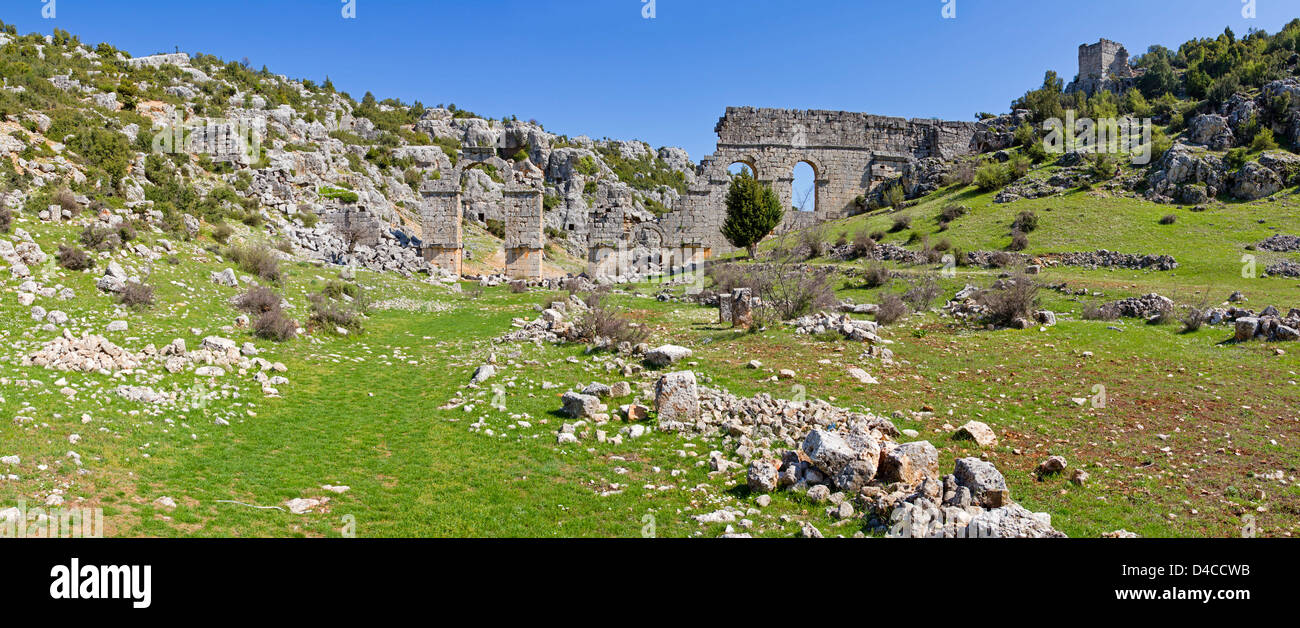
(1103,65)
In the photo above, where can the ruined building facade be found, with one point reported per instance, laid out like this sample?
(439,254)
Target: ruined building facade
(849,153)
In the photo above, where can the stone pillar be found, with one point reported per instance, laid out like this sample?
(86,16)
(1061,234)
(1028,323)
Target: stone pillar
(440,215)
(742,314)
(524,239)
(724,308)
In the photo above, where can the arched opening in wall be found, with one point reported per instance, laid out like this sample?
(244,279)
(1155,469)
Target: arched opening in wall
(803,191)
(741,167)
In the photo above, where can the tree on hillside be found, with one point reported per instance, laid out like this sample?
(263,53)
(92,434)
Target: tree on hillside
(753,211)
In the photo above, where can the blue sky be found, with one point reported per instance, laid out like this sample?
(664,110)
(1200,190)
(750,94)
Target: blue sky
(597,67)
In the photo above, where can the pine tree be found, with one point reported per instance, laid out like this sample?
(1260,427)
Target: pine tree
(753,211)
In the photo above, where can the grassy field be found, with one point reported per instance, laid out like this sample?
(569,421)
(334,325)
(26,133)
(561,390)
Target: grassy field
(1188,424)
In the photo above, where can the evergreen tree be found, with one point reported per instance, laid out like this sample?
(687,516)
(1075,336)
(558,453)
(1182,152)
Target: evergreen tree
(753,211)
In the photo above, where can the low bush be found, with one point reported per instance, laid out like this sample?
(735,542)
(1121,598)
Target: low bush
(1018,299)
(1019,241)
(136,296)
(73,258)
(1025,222)
(1168,219)
(900,223)
(275,325)
(258,300)
(875,276)
(328,314)
(921,293)
(602,320)
(891,308)
(256,259)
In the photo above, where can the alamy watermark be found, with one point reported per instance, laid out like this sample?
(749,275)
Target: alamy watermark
(21,522)
(1116,136)
(215,136)
(648,9)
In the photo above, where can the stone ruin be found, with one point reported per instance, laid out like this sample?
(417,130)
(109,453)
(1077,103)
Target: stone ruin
(1103,65)
(850,154)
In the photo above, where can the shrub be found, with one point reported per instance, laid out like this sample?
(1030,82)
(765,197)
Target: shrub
(1019,241)
(258,300)
(1018,299)
(330,316)
(73,258)
(222,232)
(100,238)
(275,325)
(921,293)
(891,309)
(137,296)
(877,235)
(335,289)
(1103,166)
(875,276)
(813,240)
(1168,219)
(602,320)
(1264,140)
(1025,222)
(1097,312)
(893,196)
(6,219)
(952,212)
(256,259)
(792,292)
(863,244)
(991,176)
(961,174)
(943,245)
(1193,317)
(1236,158)
(1019,166)
(900,223)
(68,201)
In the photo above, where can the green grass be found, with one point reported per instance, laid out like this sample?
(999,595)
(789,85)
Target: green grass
(367,411)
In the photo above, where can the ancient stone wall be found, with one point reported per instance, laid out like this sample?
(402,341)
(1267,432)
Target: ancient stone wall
(524,239)
(440,216)
(850,153)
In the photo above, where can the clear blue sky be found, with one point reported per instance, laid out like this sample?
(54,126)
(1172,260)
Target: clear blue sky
(596,67)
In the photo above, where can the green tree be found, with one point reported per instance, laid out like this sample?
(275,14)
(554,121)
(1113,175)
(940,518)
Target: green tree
(753,211)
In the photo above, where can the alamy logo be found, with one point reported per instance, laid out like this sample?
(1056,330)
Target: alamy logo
(949,11)
(226,138)
(1248,9)
(21,522)
(349,11)
(49,9)
(75,581)
(648,9)
(1127,136)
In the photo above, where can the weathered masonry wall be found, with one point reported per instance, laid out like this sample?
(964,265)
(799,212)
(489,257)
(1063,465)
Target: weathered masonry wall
(849,152)
(524,238)
(440,215)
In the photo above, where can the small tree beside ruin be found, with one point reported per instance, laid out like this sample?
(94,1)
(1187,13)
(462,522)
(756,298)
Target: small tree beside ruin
(753,211)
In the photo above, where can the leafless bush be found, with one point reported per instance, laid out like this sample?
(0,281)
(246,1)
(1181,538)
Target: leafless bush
(1018,299)
(68,202)
(963,173)
(222,232)
(275,325)
(921,293)
(100,238)
(901,222)
(602,320)
(258,300)
(1099,312)
(1193,318)
(1019,241)
(137,296)
(863,244)
(792,293)
(876,275)
(891,309)
(73,258)
(813,241)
